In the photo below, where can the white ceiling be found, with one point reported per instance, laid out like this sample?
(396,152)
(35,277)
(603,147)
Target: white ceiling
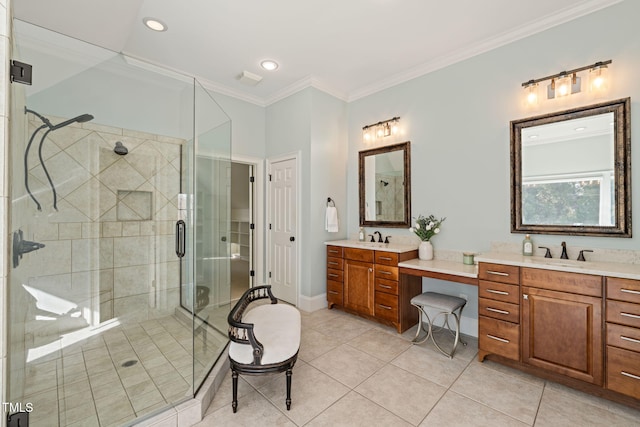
(349,48)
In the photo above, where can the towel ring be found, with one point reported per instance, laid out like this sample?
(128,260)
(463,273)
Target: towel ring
(330,200)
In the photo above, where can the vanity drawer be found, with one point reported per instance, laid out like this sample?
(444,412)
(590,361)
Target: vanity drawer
(388,286)
(623,371)
(334,251)
(498,337)
(624,313)
(386,272)
(386,258)
(386,306)
(499,273)
(623,337)
(334,293)
(499,310)
(576,283)
(364,255)
(335,263)
(623,289)
(499,291)
(335,275)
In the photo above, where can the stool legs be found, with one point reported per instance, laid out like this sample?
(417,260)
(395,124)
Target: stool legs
(430,327)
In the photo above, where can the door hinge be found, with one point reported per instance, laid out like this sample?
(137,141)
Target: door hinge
(252,179)
(252,273)
(269,275)
(20,72)
(269,177)
(252,226)
(269,226)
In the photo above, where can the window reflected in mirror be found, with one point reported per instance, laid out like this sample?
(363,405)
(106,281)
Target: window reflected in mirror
(570,172)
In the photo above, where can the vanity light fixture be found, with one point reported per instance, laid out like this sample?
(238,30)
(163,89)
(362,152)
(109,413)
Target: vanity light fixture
(568,82)
(155,24)
(381,129)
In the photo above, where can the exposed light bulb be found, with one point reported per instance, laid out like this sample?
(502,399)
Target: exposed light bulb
(563,86)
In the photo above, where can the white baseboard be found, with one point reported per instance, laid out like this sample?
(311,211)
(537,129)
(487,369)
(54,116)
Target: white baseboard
(310,304)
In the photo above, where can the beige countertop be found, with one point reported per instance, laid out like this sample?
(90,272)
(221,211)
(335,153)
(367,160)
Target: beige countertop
(441,266)
(387,247)
(611,269)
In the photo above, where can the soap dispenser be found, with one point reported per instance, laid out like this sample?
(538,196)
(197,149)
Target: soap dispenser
(527,246)
(361,235)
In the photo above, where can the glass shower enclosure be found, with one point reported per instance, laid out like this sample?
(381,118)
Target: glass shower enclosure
(119,286)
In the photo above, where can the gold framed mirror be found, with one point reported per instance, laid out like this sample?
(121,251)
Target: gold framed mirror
(385,186)
(571,172)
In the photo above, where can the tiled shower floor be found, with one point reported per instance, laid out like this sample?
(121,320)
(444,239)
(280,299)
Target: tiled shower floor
(119,375)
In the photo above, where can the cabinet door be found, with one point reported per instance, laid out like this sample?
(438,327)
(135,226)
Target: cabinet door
(562,332)
(358,286)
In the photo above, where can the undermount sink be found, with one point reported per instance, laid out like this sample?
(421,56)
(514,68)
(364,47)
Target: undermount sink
(371,244)
(563,263)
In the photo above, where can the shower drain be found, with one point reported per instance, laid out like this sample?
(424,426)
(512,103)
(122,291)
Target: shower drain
(129,363)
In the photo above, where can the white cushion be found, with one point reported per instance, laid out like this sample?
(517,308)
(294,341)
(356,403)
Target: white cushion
(277,327)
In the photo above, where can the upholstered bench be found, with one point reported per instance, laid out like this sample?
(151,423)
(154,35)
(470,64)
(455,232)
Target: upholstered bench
(446,305)
(265,338)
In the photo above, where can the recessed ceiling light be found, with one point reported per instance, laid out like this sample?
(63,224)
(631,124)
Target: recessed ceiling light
(581,128)
(269,64)
(155,24)
(533,136)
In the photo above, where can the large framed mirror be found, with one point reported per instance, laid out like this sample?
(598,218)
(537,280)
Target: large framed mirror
(571,172)
(385,186)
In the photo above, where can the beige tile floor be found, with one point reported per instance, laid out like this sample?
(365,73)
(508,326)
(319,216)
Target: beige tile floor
(352,372)
(87,383)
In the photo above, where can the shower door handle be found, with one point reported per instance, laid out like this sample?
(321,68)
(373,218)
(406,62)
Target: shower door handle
(180,238)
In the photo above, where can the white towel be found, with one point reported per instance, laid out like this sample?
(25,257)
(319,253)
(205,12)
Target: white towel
(331,223)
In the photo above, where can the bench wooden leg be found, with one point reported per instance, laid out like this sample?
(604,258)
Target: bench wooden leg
(288,401)
(234,403)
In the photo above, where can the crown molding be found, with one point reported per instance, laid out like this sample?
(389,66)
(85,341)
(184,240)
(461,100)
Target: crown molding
(542,24)
(309,81)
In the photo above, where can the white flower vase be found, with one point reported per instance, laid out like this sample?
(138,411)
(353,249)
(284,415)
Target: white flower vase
(425,251)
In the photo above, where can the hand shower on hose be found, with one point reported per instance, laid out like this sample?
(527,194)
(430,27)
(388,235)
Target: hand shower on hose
(51,127)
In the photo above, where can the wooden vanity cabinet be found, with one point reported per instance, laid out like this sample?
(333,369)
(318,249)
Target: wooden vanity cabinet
(335,276)
(498,310)
(562,323)
(358,280)
(368,284)
(623,336)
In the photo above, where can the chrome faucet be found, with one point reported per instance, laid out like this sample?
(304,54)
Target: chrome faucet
(564,251)
(379,237)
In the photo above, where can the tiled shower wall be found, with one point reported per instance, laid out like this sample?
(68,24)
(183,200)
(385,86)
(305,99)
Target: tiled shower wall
(390,197)
(110,246)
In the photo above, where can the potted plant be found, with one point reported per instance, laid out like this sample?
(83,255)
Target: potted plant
(425,228)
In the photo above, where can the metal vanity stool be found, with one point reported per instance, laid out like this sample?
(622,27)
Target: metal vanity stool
(448,305)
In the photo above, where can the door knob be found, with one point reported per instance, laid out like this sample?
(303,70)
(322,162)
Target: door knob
(292,239)
(224,238)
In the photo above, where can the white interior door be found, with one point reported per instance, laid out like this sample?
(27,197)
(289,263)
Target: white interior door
(283,265)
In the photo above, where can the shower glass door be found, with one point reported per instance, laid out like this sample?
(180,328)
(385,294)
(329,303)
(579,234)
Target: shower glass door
(106,325)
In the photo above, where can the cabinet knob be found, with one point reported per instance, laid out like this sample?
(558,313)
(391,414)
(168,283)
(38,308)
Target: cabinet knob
(525,296)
